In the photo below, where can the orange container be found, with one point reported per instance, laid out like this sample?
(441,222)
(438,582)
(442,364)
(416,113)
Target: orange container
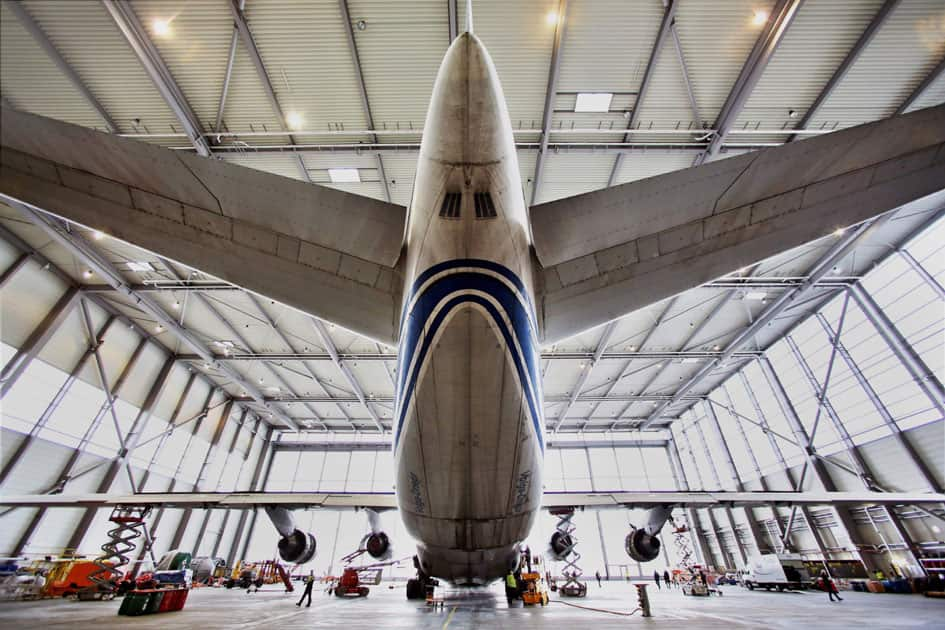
(875,586)
(76,579)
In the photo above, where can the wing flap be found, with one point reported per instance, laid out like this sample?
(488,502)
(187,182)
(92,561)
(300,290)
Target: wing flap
(323,251)
(610,252)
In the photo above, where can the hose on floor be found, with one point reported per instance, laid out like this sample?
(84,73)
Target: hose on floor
(600,610)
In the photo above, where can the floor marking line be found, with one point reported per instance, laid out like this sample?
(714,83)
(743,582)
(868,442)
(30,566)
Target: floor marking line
(450,618)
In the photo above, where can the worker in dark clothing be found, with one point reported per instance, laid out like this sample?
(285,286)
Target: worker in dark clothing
(830,586)
(666,579)
(656,576)
(702,577)
(597,574)
(309,583)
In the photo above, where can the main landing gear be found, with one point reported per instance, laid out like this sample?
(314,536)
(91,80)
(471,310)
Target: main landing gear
(418,587)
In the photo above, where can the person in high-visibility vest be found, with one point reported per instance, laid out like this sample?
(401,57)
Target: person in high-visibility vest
(511,587)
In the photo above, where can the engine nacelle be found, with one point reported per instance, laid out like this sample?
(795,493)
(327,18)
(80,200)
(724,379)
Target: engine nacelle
(641,546)
(377,545)
(297,548)
(560,545)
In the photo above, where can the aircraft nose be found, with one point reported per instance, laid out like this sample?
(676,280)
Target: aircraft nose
(467,120)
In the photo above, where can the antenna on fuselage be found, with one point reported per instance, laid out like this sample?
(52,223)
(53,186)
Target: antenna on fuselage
(469,21)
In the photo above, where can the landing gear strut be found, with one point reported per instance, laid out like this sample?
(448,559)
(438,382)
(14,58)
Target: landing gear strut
(417,587)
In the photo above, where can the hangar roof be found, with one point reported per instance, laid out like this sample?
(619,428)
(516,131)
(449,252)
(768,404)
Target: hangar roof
(300,88)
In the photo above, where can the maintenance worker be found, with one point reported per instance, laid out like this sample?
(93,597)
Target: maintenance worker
(511,587)
(830,586)
(597,575)
(656,576)
(666,578)
(309,583)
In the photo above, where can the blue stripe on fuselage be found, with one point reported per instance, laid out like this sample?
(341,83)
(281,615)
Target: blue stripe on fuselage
(419,325)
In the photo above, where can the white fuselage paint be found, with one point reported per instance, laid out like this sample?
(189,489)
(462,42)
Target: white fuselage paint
(468,423)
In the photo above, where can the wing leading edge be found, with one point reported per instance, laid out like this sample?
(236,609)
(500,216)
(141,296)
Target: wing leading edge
(326,252)
(610,252)
(387,500)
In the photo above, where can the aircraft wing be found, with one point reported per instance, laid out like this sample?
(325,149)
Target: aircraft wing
(607,253)
(388,501)
(619,499)
(224,500)
(326,252)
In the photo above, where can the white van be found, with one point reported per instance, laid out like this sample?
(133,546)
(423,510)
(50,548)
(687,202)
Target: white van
(769,570)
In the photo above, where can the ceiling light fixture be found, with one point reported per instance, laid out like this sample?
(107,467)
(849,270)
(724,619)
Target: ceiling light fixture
(162,28)
(294,120)
(552,18)
(756,295)
(140,266)
(839,232)
(759,18)
(593,102)
(159,328)
(98,235)
(176,305)
(344,175)
(87,274)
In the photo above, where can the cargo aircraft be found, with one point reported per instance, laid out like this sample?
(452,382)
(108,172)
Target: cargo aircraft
(468,282)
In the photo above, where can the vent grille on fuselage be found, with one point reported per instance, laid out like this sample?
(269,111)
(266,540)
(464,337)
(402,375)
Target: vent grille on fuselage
(485,209)
(451,205)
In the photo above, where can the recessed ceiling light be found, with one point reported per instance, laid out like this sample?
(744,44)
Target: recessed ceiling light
(344,175)
(759,18)
(159,328)
(756,295)
(162,28)
(140,266)
(87,274)
(552,18)
(98,235)
(690,360)
(294,120)
(716,348)
(176,305)
(593,102)
(839,232)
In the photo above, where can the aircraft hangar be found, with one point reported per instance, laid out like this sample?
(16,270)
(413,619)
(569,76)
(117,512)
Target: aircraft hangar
(203,410)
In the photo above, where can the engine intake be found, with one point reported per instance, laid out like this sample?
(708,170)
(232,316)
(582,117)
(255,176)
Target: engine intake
(641,546)
(297,548)
(561,544)
(377,545)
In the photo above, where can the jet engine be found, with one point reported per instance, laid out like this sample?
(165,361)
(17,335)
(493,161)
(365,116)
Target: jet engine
(642,543)
(641,546)
(560,545)
(295,546)
(377,543)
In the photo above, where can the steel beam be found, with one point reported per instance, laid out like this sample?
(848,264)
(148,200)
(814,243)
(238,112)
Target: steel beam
(924,469)
(669,355)
(714,526)
(837,252)
(867,36)
(677,45)
(453,17)
(920,269)
(76,246)
(14,267)
(53,405)
(767,43)
(239,18)
(679,477)
(137,37)
(208,460)
(669,15)
(40,37)
(550,93)
(923,376)
(37,340)
(137,427)
(228,73)
(844,518)
(920,89)
(226,513)
(329,344)
(864,472)
(185,516)
(274,410)
(362,90)
(602,345)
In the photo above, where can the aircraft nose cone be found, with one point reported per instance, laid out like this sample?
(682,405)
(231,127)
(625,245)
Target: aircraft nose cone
(467,120)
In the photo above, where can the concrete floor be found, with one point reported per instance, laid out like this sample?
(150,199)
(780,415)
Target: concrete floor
(388,608)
